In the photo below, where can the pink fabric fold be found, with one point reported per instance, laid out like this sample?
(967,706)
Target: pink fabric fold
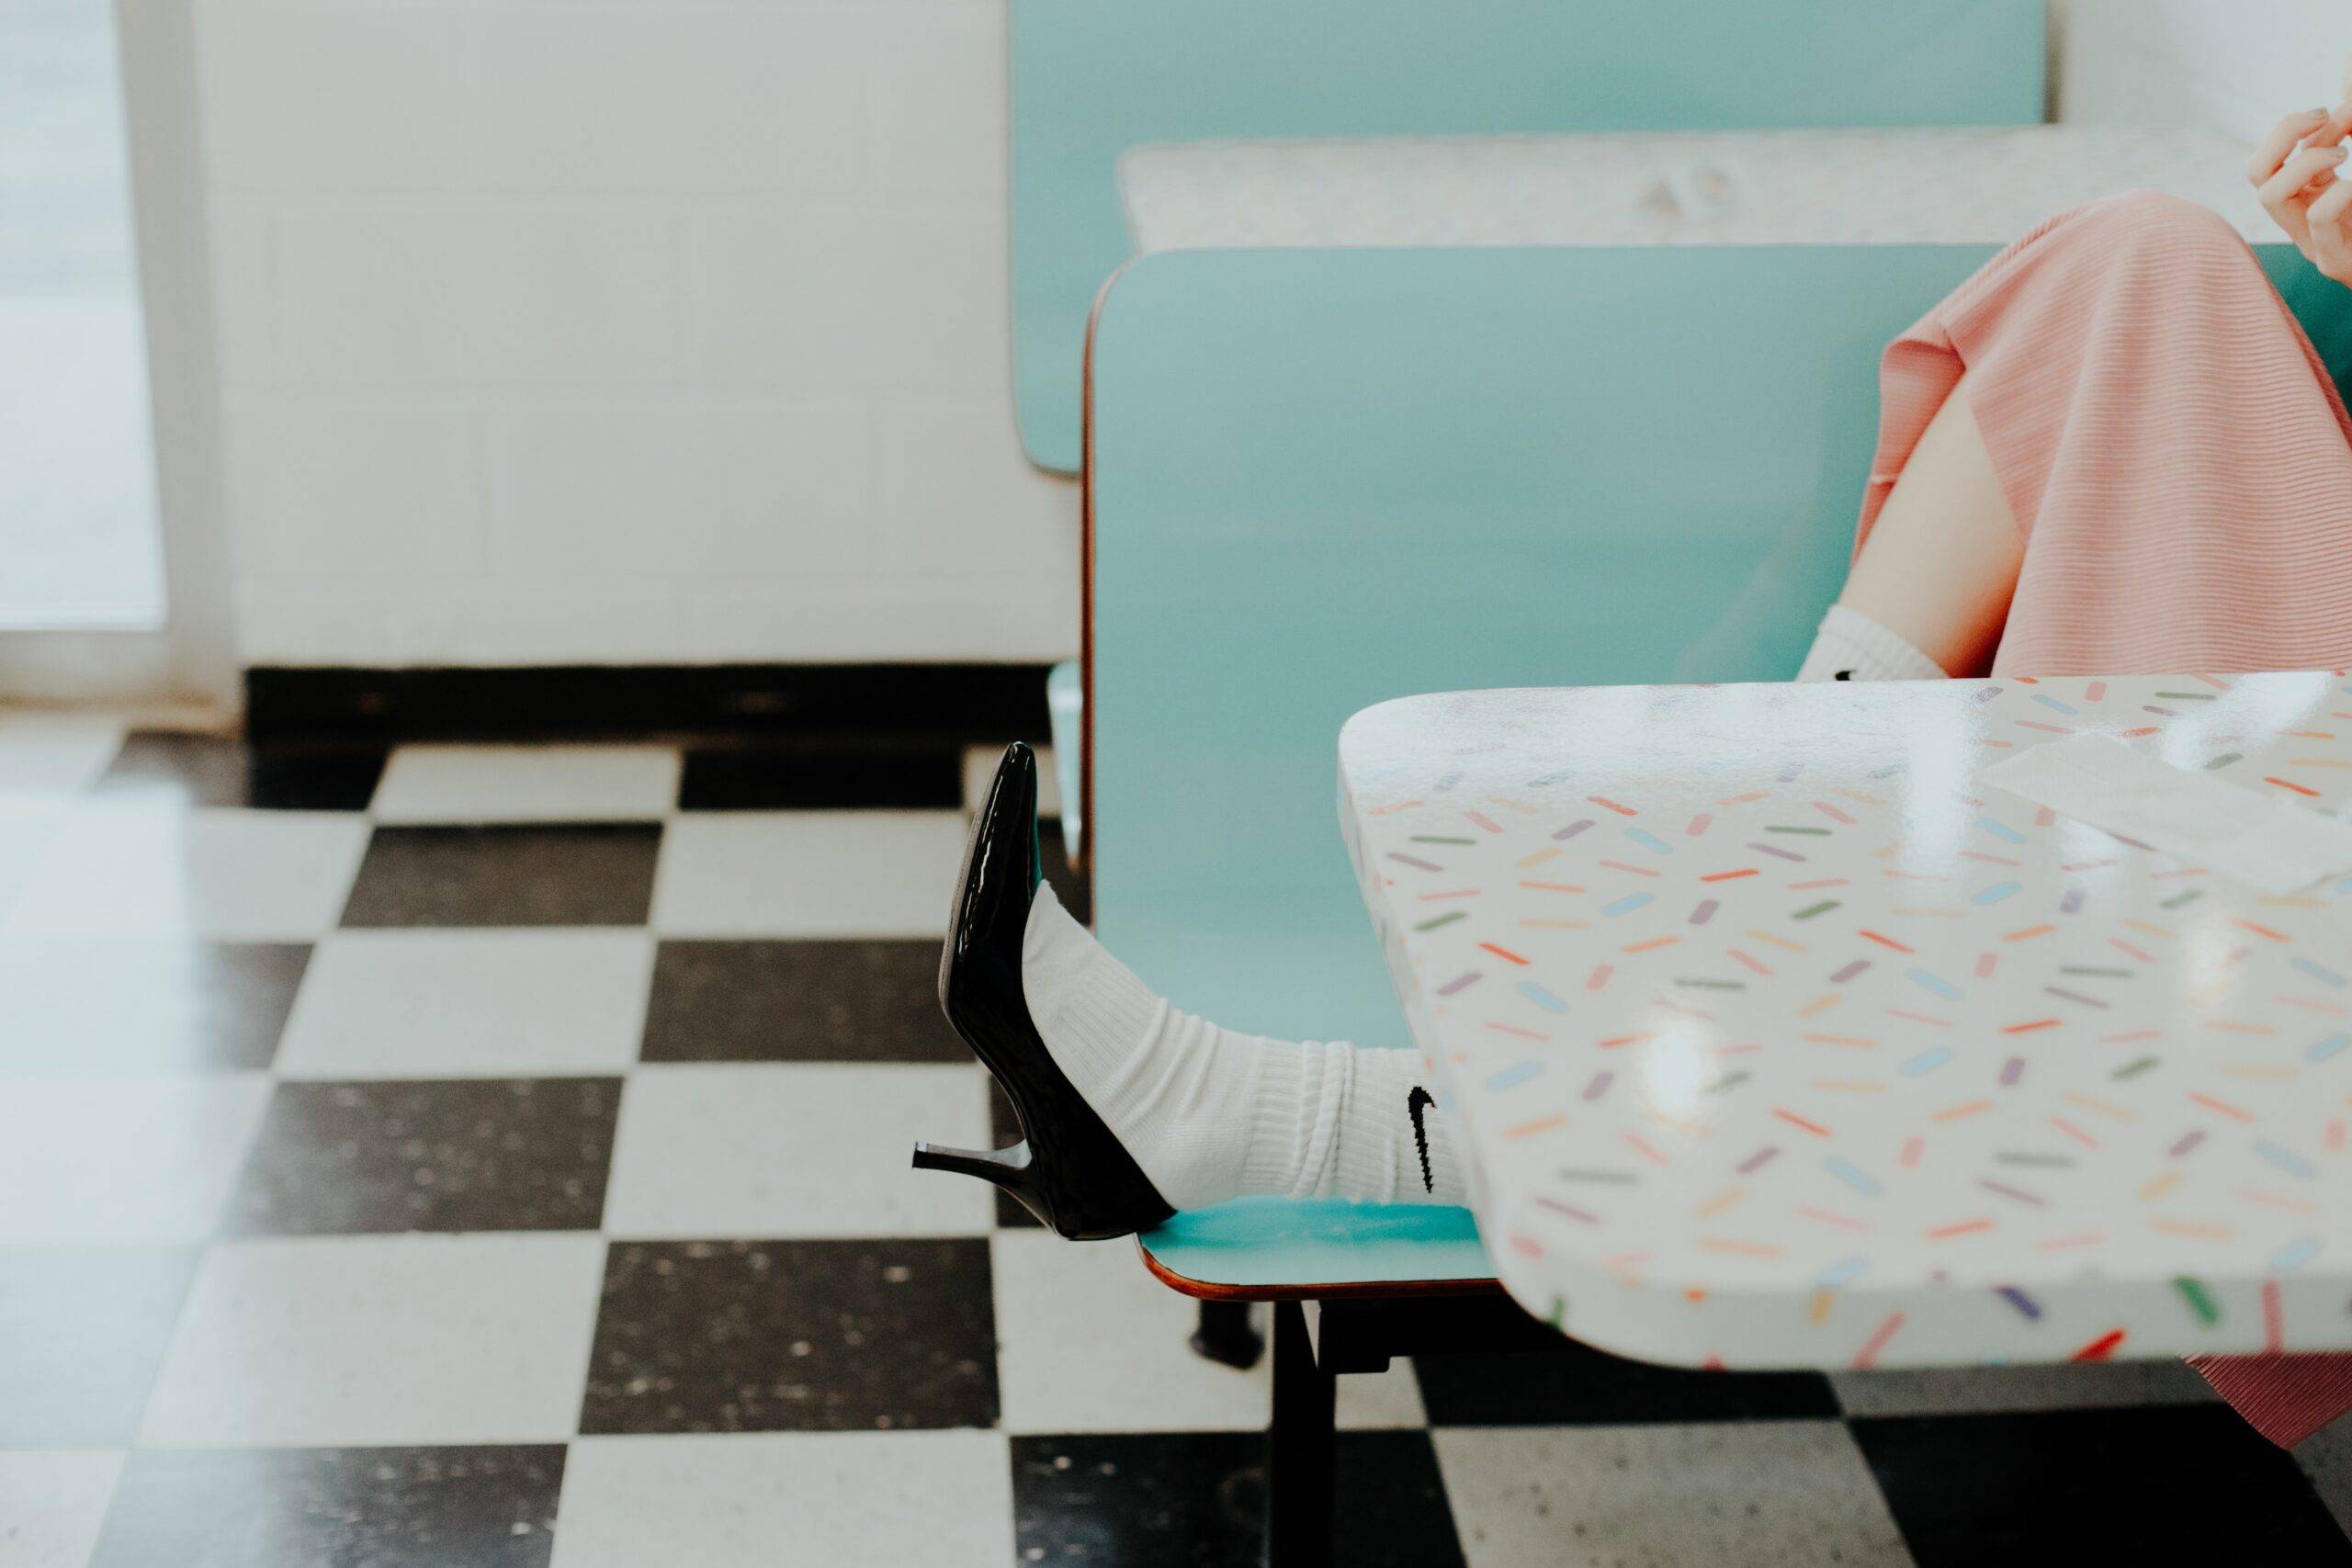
(2286,1398)
(2170,441)
(2181,465)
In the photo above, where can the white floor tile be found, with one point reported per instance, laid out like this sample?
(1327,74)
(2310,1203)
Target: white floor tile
(348,1341)
(27,824)
(760,1500)
(1961,1391)
(830,873)
(54,755)
(157,871)
(794,1150)
(1372,1401)
(1088,1341)
(112,1161)
(101,1007)
(1756,1495)
(52,1504)
(527,783)
(980,767)
(486,1003)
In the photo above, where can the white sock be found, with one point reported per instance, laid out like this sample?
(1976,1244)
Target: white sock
(1211,1115)
(1851,646)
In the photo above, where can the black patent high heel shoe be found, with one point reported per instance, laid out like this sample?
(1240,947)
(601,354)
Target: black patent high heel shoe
(1069,1169)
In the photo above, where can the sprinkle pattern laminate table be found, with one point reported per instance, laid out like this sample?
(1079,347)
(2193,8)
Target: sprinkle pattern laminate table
(1777,1040)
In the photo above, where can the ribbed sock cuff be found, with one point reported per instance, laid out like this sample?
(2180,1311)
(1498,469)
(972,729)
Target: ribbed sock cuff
(1853,647)
(1083,1005)
(1281,1099)
(1212,1114)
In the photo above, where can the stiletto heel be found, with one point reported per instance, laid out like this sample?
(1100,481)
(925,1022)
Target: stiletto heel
(1069,1169)
(1009,1169)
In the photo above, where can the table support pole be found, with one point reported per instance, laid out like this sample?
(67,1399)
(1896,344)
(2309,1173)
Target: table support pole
(1300,1443)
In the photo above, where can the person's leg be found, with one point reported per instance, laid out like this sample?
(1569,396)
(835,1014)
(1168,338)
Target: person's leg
(1941,564)
(2173,448)
(1211,1114)
(1929,591)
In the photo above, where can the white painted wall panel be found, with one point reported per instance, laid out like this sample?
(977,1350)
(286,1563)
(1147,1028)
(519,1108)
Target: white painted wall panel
(566,330)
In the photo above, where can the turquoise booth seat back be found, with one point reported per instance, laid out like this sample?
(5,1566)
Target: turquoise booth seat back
(1091,78)
(1321,478)
(2322,305)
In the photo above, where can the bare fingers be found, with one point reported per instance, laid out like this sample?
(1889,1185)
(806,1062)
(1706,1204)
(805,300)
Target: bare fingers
(2331,228)
(2287,194)
(2334,128)
(2337,124)
(2329,217)
(2280,144)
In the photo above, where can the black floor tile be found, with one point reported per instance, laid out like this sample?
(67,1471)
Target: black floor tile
(211,770)
(2182,1483)
(798,1002)
(466,1155)
(83,1330)
(598,874)
(1004,1129)
(793,1336)
(145,1007)
(482,1508)
(818,774)
(1579,1386)
(1197,1499)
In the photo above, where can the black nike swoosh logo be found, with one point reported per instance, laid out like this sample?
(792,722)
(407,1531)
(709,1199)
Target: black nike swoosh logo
(1416,1104)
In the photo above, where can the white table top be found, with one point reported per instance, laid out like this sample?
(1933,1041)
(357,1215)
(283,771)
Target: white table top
(1779,1041)
(1967,185)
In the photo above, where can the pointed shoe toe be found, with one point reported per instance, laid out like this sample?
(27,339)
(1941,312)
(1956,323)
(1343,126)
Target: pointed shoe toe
(1069,1169)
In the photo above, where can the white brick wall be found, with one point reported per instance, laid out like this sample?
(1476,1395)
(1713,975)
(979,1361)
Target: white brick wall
(622,329)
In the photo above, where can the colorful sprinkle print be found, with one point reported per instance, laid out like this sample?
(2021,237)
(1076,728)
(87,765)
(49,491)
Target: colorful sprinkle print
(1826,1054)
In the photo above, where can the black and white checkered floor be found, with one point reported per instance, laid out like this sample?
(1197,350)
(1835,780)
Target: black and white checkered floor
(498,1155)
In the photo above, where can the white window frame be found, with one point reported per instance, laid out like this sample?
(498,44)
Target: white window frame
(191,662)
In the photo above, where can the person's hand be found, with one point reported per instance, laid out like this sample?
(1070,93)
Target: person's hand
(2296,172)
